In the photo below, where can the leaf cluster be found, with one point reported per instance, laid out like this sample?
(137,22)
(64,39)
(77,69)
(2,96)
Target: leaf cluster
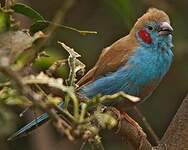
(73,115)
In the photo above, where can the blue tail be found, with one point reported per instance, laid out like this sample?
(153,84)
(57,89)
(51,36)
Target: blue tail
(32,125)
(29,127)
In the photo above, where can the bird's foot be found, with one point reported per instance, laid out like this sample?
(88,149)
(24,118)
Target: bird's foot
(141,134)
(124,116)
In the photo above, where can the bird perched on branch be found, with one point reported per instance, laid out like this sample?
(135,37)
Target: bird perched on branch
(135,64)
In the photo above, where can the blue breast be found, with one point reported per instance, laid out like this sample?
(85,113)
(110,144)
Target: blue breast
(147,64)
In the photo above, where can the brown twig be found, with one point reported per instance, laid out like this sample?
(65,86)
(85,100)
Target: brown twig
(135,135)
(147,125)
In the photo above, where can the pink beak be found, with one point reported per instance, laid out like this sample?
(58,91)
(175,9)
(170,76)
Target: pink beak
(165,29)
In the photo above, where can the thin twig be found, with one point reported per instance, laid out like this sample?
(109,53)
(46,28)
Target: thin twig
(83,145)
(81,32)
(24,111)
(147,125)
(106,99)
(83,112)
(71,79)
(58,19)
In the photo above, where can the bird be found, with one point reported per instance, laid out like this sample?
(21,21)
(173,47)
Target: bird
(134,64)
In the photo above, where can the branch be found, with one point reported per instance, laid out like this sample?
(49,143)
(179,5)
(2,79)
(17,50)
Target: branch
(129,129)
(176,136)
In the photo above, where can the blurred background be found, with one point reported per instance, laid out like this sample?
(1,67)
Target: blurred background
(112,19)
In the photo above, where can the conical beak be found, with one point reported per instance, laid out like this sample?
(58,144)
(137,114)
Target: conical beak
(165,29)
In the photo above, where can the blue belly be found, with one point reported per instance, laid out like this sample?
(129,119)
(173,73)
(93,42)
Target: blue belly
(142,68)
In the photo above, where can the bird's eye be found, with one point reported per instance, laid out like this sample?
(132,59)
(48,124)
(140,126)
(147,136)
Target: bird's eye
(150,28)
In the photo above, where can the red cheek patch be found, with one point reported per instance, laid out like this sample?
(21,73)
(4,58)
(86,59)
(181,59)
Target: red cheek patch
(145,36)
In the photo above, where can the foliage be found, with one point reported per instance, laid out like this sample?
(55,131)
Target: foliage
(22,86)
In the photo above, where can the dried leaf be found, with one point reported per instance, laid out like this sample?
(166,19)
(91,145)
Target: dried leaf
(44,79)
(75,65)
(79,67)
(13,43)
(71,51)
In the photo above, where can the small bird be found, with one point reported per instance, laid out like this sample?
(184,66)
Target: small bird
(135,64)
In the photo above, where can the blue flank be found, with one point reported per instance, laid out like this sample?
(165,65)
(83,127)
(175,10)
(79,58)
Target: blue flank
(148,63)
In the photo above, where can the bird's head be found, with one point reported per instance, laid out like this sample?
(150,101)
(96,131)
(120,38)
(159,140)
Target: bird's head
(152,27)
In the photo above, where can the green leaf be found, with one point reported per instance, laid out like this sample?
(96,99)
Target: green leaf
(39,26)
(27,11)
(4,21)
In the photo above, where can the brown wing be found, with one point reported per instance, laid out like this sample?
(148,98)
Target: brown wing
(110,59)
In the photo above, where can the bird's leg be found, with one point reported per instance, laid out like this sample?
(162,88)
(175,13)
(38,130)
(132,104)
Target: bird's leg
(140,132)
(123,115)
(147,125)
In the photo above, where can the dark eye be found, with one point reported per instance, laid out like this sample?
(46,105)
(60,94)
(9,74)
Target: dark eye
(150,28)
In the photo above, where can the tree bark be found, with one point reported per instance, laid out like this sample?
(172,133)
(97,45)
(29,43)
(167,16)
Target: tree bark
(176,136)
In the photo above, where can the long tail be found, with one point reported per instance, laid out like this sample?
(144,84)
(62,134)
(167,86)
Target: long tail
(40,120)
(31,126)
